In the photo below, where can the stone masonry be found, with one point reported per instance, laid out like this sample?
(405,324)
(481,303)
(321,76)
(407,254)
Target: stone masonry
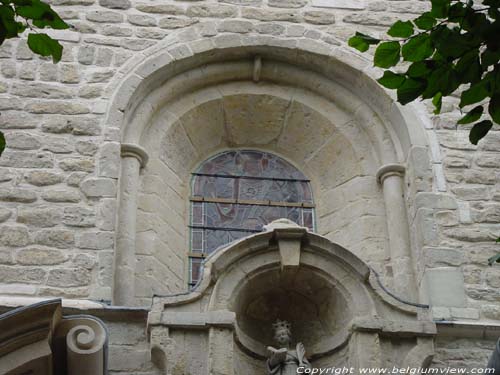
(59,176)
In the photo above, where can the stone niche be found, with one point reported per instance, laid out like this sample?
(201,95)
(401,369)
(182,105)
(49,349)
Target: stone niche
(38,340)
(333,300)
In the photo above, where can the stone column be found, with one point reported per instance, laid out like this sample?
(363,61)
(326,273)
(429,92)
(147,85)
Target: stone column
(220,351)
(390,176)
(133,158)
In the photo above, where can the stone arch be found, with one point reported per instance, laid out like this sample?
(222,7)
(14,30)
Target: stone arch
(284,258)
(164,86)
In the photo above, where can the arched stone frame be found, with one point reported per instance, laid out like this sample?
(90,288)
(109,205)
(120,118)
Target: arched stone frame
(186,61)
(213,309)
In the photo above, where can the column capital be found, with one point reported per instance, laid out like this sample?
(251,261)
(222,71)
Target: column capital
(390,170)
(134,151)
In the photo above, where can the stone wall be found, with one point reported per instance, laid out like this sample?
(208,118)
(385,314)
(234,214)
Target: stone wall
(58,177)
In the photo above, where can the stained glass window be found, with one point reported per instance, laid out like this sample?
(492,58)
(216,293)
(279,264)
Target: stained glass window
(236,193)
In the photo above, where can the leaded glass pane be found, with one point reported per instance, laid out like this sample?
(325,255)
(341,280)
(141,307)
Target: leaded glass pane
(236,193)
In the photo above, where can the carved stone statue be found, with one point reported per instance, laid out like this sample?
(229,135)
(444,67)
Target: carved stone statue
(285,360)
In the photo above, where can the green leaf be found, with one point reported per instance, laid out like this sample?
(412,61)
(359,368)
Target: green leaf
(362,41)
(418,48)
(410,90)
(476,92)
(479,130)
(41,14)
(425,22)
(468,67)
(401,29)
(440,8)
(494,258)
(420,69)
(44,45)
(391,80)
(472,115)
(2,143)
(494,107)
(490,57)
(438,102)
(387,54)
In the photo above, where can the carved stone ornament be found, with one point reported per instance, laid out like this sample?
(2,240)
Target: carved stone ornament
(38,340)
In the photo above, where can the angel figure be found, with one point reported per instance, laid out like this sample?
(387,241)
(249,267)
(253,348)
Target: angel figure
(285,360)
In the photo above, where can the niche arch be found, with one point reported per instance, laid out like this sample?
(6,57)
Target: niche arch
(350,129)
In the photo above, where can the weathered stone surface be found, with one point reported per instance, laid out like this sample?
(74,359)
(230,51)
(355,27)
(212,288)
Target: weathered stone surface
(85,261)
(104,16)
(22,141)
(4,214)
(371,19)
(235,26)
(270,15)
(43,178)
(79,217)
(40,217)
(87,148)
(58,107)
(158,8)
(318,17)
(173,22)
(61,195)
(17,195)
(106,213)
(115,4)
(141,20)
(39,256)
(69,277)
(442,257)
(472,192)
(14,235)
(59,238)
(486,213)
(108,162)
(24,159)
(98,187)
(287,3)
(212,10)
(77,165)
(95,240)
(21,275)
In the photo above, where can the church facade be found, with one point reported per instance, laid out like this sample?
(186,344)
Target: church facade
(195,173)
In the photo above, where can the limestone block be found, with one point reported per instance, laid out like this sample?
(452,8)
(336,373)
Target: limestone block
(59,238)
(17,195)
(75,178)
(106,214)
(159,8)
(79,217)
(15,236)
(270,28)
(95,240)
(445,287)
(104,16)
(39,217)
(61,195)
(439,257)
(441,313)
(371,19)
(490,311)
(77,164)
(318,17)
(108,161)
(41,90)
(87,148)
(464,313)
(23,159)
(435,201)
(4,214)
(141,19)
(69,277)
(98,187)
(472,274)
(343,4)
(235,26)
(270,15)
(21,275)
(85,261)
(287,3)
(115,4)
(57,107)
(471,234)
(57,145)
(472,192)
(38,256)
(177,151)
(212,10)
(173,22)
(17,120)
(486,159)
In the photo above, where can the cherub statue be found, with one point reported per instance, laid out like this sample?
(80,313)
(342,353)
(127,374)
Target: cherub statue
(285,360)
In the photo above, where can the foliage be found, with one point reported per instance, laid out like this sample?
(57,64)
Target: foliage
(18,15)
(454,46)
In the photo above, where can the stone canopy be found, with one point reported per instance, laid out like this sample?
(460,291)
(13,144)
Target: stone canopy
(330,296)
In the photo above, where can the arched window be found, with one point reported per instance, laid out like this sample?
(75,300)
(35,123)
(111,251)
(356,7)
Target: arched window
(236,193)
